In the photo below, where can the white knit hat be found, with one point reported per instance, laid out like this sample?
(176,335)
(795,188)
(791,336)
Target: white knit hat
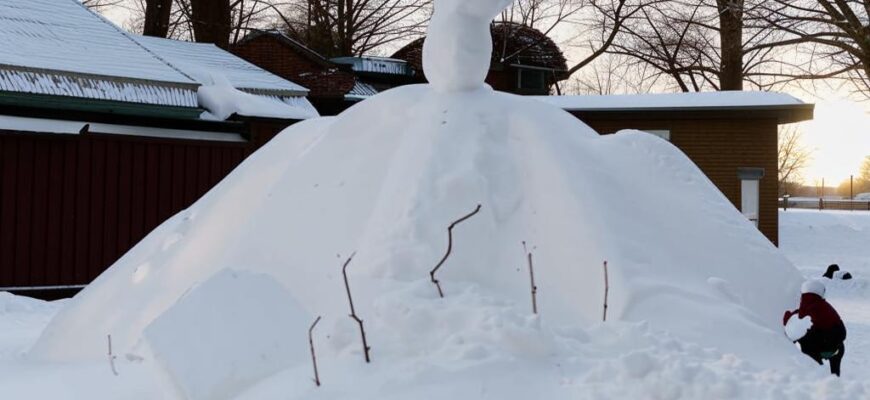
(813,286)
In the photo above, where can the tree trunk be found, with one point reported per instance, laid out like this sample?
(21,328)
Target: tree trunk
(157,18)
(212,21)
(731,38)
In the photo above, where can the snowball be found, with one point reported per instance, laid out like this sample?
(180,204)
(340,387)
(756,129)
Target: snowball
(227,334)
(796,327)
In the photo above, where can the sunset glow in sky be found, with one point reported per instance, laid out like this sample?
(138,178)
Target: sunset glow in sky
(839,138)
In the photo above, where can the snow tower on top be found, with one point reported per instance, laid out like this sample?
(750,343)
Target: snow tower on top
(458,47)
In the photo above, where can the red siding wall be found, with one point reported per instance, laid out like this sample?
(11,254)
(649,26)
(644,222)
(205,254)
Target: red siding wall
(70,205)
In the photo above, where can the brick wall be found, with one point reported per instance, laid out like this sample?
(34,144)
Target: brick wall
(323,79)
(719,146)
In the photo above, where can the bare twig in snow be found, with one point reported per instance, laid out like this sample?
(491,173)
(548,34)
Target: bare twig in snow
(449,248)
(313,356)
(353,315)
(606,290)
(532,278)
(112,357)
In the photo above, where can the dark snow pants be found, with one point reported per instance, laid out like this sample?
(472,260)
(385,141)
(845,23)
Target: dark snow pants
(816,354)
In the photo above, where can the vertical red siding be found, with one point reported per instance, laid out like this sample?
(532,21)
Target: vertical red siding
(71,205)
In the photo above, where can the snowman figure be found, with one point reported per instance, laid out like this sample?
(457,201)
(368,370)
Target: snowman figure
(458,47)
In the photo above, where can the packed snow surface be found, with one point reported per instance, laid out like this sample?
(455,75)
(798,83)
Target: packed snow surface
(610,360)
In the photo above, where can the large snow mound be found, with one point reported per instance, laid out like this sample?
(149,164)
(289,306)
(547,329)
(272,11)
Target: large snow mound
(387,184)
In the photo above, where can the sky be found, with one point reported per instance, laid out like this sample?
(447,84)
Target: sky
(838,138)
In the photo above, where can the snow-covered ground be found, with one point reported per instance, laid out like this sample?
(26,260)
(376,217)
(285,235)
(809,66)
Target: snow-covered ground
(613,360)
(812,240)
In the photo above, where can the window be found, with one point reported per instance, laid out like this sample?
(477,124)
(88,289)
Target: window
(750,192)
(532,79)
(662,133)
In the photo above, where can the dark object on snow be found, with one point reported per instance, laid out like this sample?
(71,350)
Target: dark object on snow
(831,273)
(824,340)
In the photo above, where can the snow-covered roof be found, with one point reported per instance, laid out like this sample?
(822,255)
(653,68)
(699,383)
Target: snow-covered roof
(380,65)
(58,47)
(61,48)
(361,91)
(198,60)
(682,101)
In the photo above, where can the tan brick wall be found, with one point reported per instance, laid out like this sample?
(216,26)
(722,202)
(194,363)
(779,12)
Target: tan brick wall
(719,147)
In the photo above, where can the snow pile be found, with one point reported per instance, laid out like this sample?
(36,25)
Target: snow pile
(385,180)
(222,100)
(21,319)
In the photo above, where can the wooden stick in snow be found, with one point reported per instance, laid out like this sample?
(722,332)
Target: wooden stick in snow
(606,290)
(111,356)
(532,279)
(449,249)
(353,315)
(313,357)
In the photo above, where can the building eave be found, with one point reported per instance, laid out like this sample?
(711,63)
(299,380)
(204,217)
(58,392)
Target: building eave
(784,114)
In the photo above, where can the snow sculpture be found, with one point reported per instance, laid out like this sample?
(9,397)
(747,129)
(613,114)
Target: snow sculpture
(385,179)
(456,54)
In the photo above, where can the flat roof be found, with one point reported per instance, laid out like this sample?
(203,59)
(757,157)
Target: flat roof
(787,108)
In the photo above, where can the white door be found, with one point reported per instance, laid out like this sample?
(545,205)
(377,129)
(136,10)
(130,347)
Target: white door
(750,198)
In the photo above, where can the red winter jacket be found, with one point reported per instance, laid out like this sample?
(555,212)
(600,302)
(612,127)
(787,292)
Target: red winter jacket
(826,322)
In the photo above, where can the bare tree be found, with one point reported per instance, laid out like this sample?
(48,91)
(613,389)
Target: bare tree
(352,27)
(211,21)
(595,24)
(863,184)
(833,35)
(157,17)
(708,44)
(245,15)
(100,5)
(793,159)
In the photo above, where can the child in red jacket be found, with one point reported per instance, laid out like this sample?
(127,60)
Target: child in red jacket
(824,339)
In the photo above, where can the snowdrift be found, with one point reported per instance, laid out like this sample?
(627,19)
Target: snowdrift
(386,184)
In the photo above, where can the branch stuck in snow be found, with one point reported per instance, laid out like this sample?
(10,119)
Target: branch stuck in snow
(111,356)
(313,356)
(606,290)
(449,249)
(353,315)
(532,278)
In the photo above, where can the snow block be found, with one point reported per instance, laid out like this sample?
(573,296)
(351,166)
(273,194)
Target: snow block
(227,334)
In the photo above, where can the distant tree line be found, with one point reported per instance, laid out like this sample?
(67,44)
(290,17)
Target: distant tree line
(859,183)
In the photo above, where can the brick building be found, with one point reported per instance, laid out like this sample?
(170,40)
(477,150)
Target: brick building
(334,84)
(731,136)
